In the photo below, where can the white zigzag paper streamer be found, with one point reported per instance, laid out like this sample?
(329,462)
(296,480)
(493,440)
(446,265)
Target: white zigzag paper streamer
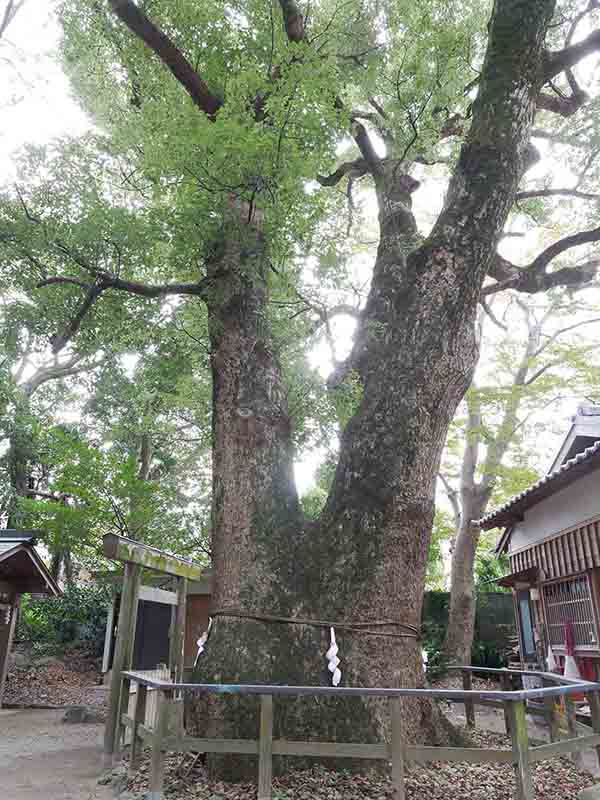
(201,643)
(333,660)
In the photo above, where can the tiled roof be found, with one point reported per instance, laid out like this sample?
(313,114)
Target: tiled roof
(567,473)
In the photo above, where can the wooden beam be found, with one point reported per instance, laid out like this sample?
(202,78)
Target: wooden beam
(265,748)
(552,718)
(154,595)
(593,699)
(122,658)
(397,749)
(571,712)
(159,740)
(575,745)
(177,632)
(506,687)
(472,755)
(469,705)
(139,718)
(118,548)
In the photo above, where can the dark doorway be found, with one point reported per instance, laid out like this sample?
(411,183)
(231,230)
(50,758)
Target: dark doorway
(151,635)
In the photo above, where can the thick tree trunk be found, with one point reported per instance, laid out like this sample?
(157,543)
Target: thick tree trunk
(461,617)
(19,460)
(415,351)
(256,520)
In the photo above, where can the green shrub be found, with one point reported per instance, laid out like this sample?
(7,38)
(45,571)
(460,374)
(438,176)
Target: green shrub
(78,618)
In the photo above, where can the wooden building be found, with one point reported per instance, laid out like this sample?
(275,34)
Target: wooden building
(22,571)
(552,538)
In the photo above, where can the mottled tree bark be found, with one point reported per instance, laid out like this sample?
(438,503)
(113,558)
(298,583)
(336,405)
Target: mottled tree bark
(413,359)
(461,616)
(18,458)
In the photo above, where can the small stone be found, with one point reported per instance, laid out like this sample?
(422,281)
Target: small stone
(82,714)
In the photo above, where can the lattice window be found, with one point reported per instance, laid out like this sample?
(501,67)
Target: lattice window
(570,601)
(5,614)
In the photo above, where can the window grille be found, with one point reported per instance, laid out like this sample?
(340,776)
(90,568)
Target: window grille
(570,601)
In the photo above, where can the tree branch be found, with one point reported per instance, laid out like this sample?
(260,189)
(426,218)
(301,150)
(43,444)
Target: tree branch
(452,497)
(556,334)
(139,24)
(356,169)
(9,14)
(44,374)
(106,281)
(566,243)
(564,106)
(561,60)
(531,193)
(534,278)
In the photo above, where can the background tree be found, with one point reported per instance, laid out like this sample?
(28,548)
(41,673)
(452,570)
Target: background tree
(538,360)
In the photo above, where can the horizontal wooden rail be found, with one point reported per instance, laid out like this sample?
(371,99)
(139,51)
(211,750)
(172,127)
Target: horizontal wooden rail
(544,751)
(576,687)
(396,750)
(499,671)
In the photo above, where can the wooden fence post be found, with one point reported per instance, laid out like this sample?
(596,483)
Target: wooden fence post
(593,699)
(572,726)
(139,718)
(265,748)
(469,704)
(505,685)
(176,652)
(516,712)
(157,763)
(397,749)
(122,659)
(552,718)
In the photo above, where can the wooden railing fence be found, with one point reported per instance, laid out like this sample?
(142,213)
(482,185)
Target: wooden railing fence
(164,731)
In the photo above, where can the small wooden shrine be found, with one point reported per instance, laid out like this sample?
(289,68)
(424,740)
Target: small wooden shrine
(22,571)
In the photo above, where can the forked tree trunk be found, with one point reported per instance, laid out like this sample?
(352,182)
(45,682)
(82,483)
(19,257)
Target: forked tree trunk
(413,359)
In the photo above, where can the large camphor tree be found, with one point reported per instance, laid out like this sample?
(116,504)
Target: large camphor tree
(222,160)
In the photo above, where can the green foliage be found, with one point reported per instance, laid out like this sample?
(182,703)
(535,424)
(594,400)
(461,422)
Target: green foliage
(494,626)
(347,397)
(78,618)
(443,531)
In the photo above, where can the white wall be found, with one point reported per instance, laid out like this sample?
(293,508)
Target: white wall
(576,503)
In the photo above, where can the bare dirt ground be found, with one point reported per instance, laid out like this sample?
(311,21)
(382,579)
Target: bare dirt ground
(41,758)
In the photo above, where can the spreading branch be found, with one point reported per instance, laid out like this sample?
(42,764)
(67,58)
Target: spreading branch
(139,24)
(73,366)
(561,104)
(105,281)
(534,278)
(561,60)
(355,169)
(531,193)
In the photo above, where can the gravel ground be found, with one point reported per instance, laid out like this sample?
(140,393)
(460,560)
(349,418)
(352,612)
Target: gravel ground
(41,758)
(556,779)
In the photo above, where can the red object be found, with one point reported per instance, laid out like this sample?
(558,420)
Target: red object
(570,638)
